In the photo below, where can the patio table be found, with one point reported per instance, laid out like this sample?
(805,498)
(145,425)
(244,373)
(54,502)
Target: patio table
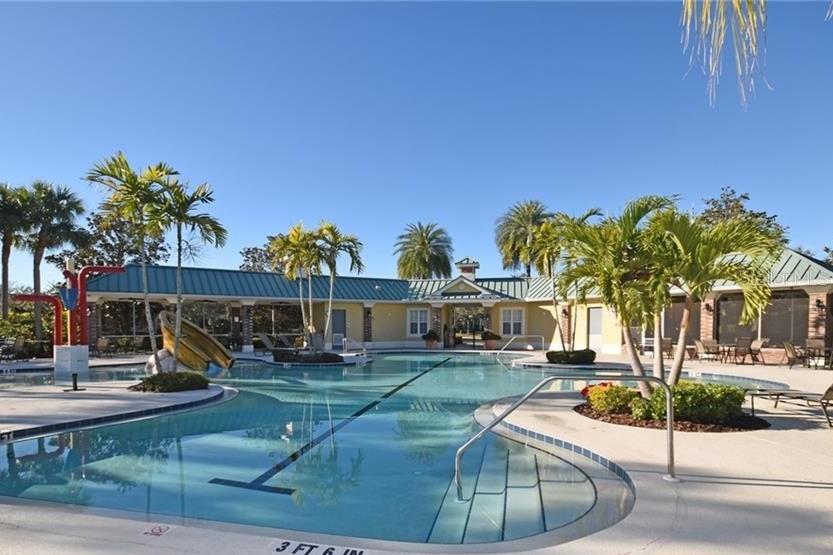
(727,351)
(817,353)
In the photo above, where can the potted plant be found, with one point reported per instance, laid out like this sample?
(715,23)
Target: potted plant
(431,339)
(490,340)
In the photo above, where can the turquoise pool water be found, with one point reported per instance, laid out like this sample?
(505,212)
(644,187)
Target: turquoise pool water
(358,451)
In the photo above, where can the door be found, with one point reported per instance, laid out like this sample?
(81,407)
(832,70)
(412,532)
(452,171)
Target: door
(594,328)
(339,328)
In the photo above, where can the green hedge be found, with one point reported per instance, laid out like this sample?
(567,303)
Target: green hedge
(582,356)
(706,403)
(280,355)
(167,383)
(611,399)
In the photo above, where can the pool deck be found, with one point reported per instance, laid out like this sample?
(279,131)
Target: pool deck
(28,409)
(766,491)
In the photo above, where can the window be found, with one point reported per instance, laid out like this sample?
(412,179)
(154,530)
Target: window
(674,316)
(512,321)
(729,328)
(787,318)
(417,321)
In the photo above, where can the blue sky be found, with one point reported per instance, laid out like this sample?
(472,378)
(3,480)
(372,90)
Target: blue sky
(376,115)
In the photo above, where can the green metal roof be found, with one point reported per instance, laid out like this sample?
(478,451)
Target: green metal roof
(790,269)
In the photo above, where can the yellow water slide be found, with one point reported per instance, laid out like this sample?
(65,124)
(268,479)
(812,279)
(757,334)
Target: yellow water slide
(196,346)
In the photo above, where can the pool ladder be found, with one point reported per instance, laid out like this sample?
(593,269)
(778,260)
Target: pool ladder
(669,411)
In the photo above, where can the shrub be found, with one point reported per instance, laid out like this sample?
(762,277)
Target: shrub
(704,403)
(431,336)
(489,335)
(170,382)
(279,355)
(582,356)
(611,399)
(640,408)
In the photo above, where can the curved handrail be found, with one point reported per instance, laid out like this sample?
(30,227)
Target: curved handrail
(345,345)
(514,337)
(669,410)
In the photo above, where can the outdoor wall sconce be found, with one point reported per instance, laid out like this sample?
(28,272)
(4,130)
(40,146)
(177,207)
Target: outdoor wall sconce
(819,304)
(709,307)
(565,312)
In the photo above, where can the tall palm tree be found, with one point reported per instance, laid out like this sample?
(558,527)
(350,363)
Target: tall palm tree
(697,255)
(14,223)
(52,213)
(179,211)
(334,243)
(300,254)
(611,258)
(515,231)
(547,252)
(135,197)
(424,251)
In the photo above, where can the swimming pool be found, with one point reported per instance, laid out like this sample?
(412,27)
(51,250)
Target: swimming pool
(359,451)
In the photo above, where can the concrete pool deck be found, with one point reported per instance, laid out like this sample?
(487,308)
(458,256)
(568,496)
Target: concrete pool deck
(767,491)
(27,410)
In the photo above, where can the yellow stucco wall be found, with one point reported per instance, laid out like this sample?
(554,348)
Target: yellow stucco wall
(390,321)
(355,318)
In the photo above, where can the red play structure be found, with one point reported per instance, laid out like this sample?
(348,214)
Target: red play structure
(74,299)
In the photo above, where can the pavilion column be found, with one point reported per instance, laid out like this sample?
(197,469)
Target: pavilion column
(367,323)
(707,310)
(437,320)
(565,314)
(246,313)
(820,324)
(93,322)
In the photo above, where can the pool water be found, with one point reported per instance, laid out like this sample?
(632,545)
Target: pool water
(357,451)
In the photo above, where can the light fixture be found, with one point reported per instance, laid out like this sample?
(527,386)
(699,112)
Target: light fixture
(819,304)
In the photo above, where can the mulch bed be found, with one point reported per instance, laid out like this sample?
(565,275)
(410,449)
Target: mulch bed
(743,424)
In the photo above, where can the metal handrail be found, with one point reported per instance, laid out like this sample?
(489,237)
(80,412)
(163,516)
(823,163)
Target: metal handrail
(669,410)
(514,337)
(345,347)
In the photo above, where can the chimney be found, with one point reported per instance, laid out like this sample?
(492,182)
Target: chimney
(467,267)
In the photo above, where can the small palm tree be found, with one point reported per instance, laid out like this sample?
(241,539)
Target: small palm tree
(14,224)
(52,212)
(696,255)
(611,258)
(300,255)
(135,197)
(547,254)
(335,243)
(515,231)
(179,211)
(424,251)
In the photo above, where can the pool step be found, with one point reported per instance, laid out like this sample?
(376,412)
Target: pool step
(505,496)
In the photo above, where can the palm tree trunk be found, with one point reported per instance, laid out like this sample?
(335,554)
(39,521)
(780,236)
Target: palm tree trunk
(330,303)
(7,252)
(557,316)
(659,366)
(146,298)
(303,310)
(679,355)
(178,330)
(309,295)
(574,316)
(36,261)
(636,364)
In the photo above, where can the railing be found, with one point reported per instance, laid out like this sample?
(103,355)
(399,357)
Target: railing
(514,337)
(669,409)
(345,345)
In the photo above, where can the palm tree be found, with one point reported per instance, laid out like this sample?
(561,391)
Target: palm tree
(546,254)
(180,212)
(335,243)
(135,197)
(14,222)
(697,255)
(301,256)
(424,251)
(51,214)
(611,258)
(515,231)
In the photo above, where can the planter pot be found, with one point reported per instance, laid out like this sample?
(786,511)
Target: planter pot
(490,344)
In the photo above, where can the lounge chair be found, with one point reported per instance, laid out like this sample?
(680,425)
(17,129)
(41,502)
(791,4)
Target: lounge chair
(794,355)
(138,344)
(743,349)
(14,352)
(823,399)
(667,346)
(707,351)
(755,350)
(268,346)
(103,347)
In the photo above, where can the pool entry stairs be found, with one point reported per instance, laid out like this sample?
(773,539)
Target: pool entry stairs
(511,492)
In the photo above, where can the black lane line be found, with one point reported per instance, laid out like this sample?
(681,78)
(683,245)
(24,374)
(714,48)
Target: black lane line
(258,482)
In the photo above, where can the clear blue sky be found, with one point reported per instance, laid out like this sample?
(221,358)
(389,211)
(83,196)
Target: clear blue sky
(376,115)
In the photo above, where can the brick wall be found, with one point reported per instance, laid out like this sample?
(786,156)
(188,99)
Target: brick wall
(707,309)
(368,324)
(246,328)
(820,325)
(93,323)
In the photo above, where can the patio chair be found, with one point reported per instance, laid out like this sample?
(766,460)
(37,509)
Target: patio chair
(794,355)
(823,399)
(707,351)
(743,349)
(103,347)
(814,349)
(270,347)
(755,350)
(667,346)
(138,344)
(15,351)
